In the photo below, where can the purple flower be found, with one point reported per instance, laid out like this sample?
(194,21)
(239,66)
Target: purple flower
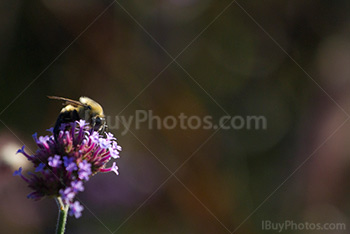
(105,143)
(116,146)
(84,170)
(82,123)
(42,142)
(55,161)
(35,137)
(44,139)
(77,186)
(76,154)
(40,167)
(94,137)
(70,164)
(18,172)
(115,168)
(50,130)
(110,136)
(75,209)
(21,150)
(84,165)
(67,194)
(114,154)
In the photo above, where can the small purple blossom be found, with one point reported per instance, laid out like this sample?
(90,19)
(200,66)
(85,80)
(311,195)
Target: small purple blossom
(55,161)
(50,130)
(116,146)
(18,172)
(44,139)
(84,170)
(64,162)
(105,143)
(115,168)
(77,186)
(94,137)
(21,150)
(85,166)
(82,123)
(35,137)
(110,137)
(40,167)
(75,209)
(69,164)
(67,194)
(114,153)
(115,149)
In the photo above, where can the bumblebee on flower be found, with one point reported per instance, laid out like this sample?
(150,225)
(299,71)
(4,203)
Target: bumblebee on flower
(63,163)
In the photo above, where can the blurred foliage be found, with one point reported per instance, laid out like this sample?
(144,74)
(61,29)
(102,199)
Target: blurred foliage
(61,48)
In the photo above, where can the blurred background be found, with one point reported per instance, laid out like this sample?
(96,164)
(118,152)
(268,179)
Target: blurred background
(95,48)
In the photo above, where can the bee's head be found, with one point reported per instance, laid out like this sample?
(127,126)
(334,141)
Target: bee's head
(93,113)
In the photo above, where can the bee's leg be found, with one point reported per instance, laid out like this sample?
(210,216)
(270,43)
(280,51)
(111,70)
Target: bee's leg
(102,130)
(105,127)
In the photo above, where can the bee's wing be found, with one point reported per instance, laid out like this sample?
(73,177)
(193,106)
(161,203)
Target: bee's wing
(67,101)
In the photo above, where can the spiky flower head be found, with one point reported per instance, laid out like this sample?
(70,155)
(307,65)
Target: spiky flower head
(64,163)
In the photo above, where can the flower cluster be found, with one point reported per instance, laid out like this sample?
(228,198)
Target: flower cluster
(63,163)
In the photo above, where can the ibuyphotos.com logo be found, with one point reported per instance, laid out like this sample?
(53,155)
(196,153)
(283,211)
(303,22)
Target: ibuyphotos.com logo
(145,119)
(290,225)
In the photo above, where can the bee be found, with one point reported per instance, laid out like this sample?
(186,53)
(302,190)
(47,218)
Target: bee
(85,109)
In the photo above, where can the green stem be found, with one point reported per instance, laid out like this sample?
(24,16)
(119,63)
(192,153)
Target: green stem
(62,216)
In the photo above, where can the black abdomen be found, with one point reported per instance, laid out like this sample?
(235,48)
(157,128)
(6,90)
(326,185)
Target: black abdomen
(65,117)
